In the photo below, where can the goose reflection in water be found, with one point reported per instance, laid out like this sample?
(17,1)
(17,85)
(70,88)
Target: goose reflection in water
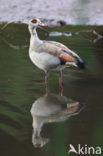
(51,108)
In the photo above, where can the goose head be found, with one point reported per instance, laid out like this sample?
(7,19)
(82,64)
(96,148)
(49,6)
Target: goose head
(34,23)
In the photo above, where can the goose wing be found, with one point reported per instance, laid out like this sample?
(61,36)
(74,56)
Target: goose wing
(59,50)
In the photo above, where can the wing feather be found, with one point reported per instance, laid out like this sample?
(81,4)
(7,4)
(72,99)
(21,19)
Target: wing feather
(59,50)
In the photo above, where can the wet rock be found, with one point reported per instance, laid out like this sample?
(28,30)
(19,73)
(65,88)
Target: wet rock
(62,23)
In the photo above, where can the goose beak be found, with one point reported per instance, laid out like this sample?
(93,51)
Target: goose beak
(41,24)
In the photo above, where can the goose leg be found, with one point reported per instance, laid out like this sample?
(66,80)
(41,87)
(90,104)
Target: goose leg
(46,80)
(60,82)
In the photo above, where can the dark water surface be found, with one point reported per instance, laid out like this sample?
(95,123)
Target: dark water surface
(74,118)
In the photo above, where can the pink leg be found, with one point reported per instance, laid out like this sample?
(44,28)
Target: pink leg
(60,82)
(46,80)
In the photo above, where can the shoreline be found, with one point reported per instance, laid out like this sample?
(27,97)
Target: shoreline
(54,13)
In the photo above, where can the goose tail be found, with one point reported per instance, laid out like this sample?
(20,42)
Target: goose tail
(80,63)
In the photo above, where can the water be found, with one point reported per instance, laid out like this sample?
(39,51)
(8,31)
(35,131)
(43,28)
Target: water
(75,118)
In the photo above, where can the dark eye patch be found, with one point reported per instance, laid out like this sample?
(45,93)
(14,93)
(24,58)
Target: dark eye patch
(34,21)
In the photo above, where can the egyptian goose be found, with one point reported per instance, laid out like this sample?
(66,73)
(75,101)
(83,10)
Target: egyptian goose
(50,55)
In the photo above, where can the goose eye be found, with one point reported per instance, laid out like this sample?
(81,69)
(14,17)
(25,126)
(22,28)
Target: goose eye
(34,21)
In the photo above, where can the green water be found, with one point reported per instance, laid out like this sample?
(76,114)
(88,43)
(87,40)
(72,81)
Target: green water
(21,84)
